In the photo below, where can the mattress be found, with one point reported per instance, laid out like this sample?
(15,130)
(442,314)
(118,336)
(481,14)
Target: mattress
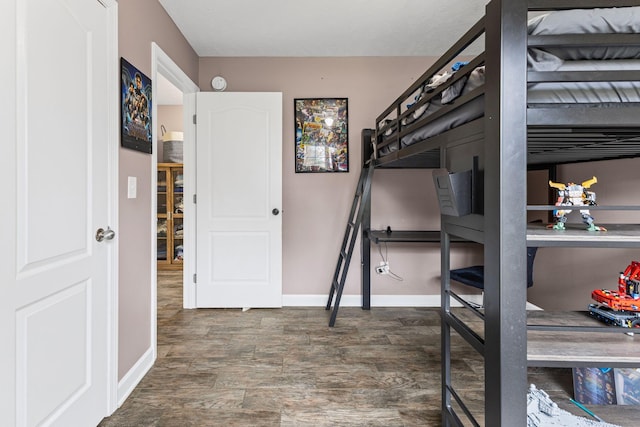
(559,94)
(588,92)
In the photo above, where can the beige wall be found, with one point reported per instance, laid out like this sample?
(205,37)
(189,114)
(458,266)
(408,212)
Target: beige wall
(316,205)
(141,22)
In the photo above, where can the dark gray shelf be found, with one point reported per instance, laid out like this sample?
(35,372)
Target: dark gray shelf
(591,208)
(616,236)
(564,344)
(409,236)
(571,348)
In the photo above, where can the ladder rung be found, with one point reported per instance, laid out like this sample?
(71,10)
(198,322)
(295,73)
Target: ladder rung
(363,191)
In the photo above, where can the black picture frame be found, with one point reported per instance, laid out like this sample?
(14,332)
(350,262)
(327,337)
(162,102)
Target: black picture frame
(136,130)
(321,134)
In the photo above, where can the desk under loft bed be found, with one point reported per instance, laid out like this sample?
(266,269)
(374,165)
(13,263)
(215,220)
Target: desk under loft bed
(546,90)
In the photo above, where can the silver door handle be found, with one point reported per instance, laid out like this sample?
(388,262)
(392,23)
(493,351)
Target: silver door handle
(102,234)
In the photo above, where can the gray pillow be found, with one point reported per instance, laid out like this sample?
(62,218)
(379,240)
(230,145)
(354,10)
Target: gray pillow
(586,21)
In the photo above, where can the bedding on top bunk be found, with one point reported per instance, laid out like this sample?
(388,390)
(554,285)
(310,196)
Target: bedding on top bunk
(583,21)
(588,21)
(551,94)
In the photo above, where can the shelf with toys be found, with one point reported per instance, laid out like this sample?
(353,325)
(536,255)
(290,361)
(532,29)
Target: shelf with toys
(558,338)
(599,335)
(573,197)
(617,235)
(576,339)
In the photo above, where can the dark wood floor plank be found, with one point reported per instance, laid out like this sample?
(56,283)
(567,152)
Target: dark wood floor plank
(285,367)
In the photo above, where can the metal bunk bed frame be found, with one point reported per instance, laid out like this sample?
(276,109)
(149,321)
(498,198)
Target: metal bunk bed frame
(511,138)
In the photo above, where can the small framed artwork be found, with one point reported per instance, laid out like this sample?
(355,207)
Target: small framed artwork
(322,135)
(135,105)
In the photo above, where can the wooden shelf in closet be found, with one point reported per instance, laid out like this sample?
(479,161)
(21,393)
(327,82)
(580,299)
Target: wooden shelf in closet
(170,216)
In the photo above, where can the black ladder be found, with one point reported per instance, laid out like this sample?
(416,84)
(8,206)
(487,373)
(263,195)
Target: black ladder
(360,201)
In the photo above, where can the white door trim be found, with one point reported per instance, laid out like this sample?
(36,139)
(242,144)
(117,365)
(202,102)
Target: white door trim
(113,74)
(163,64)
(190,232)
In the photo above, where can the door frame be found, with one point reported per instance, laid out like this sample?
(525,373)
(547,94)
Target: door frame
(113,139)
(163,64)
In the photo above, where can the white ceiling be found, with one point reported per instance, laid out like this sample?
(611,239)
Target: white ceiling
(323,27)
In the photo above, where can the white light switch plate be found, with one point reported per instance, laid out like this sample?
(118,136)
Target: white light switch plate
(132,187)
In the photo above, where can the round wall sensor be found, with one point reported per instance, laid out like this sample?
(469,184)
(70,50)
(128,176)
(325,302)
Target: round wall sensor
(218,83)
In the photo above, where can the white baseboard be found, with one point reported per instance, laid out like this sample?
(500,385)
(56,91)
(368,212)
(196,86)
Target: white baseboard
(135,375)
(381,301)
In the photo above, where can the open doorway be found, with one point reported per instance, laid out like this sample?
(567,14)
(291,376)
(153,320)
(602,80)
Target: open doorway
(170,196)
(173,107)
(170,176)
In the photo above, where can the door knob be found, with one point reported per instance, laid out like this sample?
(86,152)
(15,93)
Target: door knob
(275,211)
(102,234)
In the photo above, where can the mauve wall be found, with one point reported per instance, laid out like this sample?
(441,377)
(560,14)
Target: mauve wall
(141,22)
(316,205)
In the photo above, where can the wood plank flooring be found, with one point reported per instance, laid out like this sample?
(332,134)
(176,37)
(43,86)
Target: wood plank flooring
(286,367)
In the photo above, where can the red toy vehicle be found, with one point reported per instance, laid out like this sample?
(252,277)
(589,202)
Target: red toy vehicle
(621,308)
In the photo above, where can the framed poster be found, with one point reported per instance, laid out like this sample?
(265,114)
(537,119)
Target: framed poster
(135,105)
(322,135)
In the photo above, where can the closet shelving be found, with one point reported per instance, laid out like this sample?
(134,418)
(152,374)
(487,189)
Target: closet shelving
(170,232)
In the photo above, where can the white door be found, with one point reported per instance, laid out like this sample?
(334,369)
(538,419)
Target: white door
(53,280)
(239,199)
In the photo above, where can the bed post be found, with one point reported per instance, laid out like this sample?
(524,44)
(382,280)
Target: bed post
(505,213)
(367,136)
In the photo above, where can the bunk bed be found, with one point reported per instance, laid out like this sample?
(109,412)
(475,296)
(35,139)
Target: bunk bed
(556,82)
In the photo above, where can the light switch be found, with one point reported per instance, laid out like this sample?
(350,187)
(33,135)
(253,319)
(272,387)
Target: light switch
(132,187)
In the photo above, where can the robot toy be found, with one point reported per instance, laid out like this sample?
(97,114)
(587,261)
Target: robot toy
(573,194)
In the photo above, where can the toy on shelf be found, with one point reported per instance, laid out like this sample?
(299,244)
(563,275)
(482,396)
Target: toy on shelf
(621,308)
(572,194)
(544,412)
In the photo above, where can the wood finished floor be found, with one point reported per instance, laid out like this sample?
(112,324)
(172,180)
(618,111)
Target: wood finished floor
(286,367)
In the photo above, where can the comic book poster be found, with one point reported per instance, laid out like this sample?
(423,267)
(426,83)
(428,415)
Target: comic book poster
(135,105)
(322,135)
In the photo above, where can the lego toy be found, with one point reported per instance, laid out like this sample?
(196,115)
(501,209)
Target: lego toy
(544,412)
(573,194)
(621,308)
